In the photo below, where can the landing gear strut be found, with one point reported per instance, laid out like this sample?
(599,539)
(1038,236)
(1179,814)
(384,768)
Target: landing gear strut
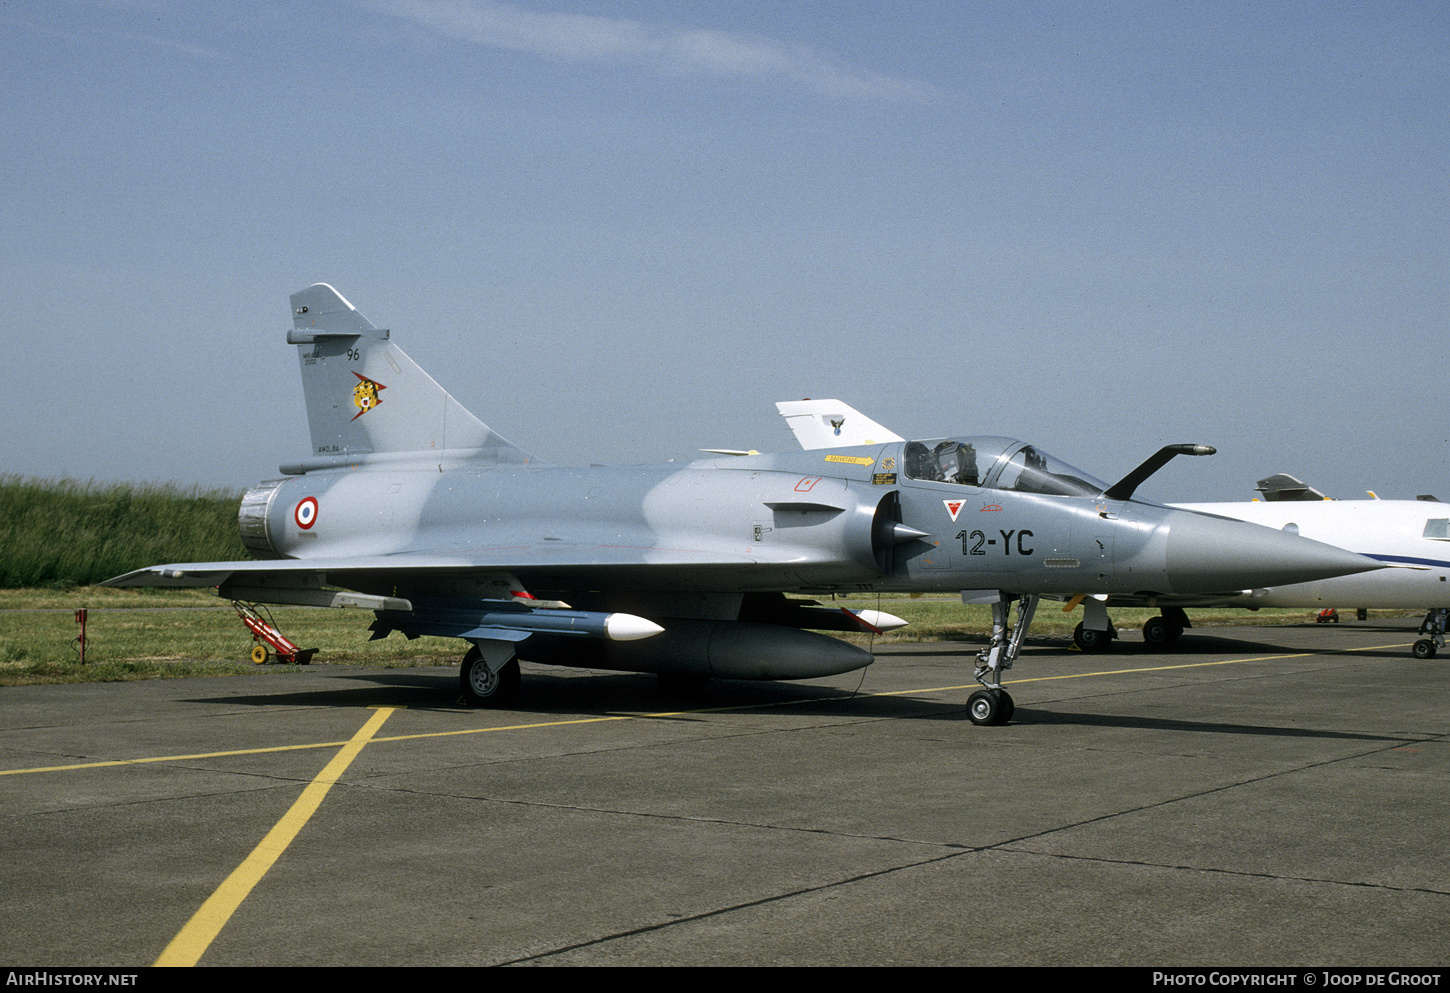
(992,704)
(1433,625)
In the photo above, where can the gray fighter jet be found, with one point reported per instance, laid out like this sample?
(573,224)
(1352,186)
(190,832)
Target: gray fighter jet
(410,506)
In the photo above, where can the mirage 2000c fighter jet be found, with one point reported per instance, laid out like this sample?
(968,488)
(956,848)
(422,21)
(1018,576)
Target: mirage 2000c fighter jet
(410,506)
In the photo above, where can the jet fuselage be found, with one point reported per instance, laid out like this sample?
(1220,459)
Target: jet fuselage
(801,522)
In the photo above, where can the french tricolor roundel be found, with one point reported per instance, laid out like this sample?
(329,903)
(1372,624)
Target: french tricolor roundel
(306,513)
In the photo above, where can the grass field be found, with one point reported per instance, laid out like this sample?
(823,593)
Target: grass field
(63,533)
(146,634)
(133,634)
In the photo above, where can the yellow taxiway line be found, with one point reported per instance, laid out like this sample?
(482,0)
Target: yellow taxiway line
(194,939)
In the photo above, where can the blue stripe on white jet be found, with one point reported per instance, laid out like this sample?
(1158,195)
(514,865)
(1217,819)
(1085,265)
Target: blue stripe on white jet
(1409,560)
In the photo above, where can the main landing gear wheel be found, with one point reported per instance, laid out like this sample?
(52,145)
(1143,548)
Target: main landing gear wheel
(484,688)
(990,707)
(1424,649)
(1160,631)
(1090,640)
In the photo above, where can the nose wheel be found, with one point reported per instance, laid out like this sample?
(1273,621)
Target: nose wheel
(990,707)
(1434,625)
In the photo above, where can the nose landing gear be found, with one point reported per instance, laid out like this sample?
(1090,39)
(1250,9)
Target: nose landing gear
(1433,625)
(992,704)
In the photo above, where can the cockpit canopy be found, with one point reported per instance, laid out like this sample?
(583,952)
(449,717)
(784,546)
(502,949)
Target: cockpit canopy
(996,463)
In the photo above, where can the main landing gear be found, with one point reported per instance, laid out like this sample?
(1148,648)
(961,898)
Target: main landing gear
(1165,629)
(1091,639)
(1160,632)
(992,704)
(489,675)
(1433,625)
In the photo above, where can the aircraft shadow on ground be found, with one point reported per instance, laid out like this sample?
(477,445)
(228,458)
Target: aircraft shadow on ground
(1209,644)
(547,692)
(574,693)
(1030,715)
(586,695)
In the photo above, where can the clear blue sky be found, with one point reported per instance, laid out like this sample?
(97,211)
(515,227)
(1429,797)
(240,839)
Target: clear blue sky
(620,231)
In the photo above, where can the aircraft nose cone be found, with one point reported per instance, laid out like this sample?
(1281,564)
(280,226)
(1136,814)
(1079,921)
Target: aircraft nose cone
(1215,554)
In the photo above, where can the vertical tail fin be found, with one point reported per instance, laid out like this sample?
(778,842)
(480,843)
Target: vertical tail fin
(832,424)
(366,398)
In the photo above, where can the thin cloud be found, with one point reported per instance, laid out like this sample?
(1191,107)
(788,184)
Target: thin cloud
(662,48)
(92,34)
(175,46)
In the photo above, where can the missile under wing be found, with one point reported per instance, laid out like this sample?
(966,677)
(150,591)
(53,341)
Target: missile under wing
(409,506)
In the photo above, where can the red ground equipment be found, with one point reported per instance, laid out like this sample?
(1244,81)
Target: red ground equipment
(265,632)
